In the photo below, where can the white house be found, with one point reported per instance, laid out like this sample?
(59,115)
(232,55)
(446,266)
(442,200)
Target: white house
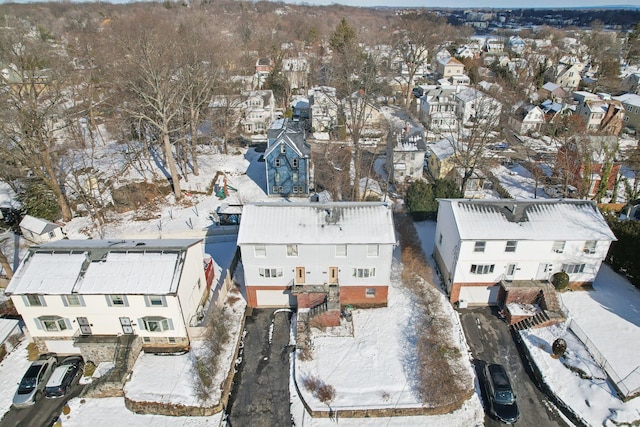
(39,230)
(527,118)
(76,292)
(476,106)
(299,254)
(406,149)
(481,243)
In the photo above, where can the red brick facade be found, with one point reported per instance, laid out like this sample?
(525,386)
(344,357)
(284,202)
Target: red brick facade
(357,296)
(310,300)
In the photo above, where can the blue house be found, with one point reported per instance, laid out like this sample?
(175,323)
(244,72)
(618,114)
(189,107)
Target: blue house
(287,159)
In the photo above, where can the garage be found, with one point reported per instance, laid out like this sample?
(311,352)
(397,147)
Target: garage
(62,347)
(275,298)
(478,295)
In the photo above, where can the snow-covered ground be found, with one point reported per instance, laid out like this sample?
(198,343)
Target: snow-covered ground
(12,368)
(518,181)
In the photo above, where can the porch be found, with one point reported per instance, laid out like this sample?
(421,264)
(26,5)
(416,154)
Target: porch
(530,303)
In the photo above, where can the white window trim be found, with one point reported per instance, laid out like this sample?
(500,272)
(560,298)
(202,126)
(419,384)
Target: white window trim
(260,250)
(149,300)
(58,323)
(511,248)
(340,253)
(292,250)
(373,250)
(482,268)
(110,303)
(164,323)
(270,273)
(66,302)
(558,246)
(370,293)
(42,302)
(363,273)
(479,246)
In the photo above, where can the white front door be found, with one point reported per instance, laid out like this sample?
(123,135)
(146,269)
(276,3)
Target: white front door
(544,271)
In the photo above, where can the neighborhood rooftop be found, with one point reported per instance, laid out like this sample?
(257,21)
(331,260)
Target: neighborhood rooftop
(299,223)
(102,267)
(549,219)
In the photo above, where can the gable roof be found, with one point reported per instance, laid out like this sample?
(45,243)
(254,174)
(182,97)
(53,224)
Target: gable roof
(629,98)
(442,149)
(102,267)
(38,225)
(521,219)
(317,223)
(294,137)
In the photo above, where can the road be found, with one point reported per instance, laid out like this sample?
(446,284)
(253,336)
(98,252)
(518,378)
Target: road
(42,413)
(491,342)
(260,397)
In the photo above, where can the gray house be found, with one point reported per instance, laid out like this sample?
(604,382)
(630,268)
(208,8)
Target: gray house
(287,159)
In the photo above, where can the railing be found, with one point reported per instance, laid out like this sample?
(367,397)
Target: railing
(619,383)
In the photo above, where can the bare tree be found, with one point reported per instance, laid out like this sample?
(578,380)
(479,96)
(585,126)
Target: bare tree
(151,74)
(354,73)
(34,115)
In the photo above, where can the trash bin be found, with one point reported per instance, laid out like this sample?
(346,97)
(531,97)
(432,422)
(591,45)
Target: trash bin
(462,303)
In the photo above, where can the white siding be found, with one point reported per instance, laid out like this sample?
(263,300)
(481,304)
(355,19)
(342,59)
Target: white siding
(316,259)
(189,292)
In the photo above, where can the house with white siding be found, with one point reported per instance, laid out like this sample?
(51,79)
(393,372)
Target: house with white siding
(73,293)
(39,230)
(306,254)
(484,246)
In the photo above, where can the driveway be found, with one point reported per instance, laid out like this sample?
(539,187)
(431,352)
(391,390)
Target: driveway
(260,396)
(42,413)
(491,342)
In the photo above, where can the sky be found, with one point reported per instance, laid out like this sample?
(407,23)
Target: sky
(509,4)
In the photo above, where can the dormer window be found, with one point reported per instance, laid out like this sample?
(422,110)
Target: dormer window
(294,163)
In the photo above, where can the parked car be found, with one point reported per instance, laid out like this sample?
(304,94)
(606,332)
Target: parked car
(33,382)
(502,400)
(63,376)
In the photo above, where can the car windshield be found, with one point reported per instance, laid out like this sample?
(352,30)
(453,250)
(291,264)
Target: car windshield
(26,385)
(504,397)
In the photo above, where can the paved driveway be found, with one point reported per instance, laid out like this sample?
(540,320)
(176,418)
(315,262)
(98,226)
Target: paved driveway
(260,396)
(491,342)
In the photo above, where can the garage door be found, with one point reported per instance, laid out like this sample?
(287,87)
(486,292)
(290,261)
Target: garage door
(480,295)
(62,347)
(278,298)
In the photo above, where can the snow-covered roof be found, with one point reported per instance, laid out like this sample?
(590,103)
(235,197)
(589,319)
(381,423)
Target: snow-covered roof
(145,267)
(37,225)
(316,223)
(8,327)
(519,219)
(629,98)
(442,149)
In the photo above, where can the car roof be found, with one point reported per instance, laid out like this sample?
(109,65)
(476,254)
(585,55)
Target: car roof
(499,376)
(57,376)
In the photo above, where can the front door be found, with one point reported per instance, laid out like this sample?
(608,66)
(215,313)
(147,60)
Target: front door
(333,275)
(85,327)
(511,271)
(299,275)
(126,325)
(544,271)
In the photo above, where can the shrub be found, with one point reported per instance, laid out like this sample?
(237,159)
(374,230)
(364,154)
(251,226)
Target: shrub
(421,196)
(325,393)
(560,280)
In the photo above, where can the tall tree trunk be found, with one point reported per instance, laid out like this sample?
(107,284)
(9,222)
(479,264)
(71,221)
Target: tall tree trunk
(193,147)
(175,177)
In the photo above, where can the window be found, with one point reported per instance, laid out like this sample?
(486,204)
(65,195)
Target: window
(341,250)
(34,300)
(52,235)
(277,177)
(156,324)
(364,272)
(155,301)
(482,268)
(479,246)
(573,268)
(558,247)
(270,272)
(511,246)
(589,247)
(370,293)
(373,250)
(294,163)
(146,339)
(73,300)
(278,188)
(283,148)
(172,340)
(117,301)
(260,250)
(292,250)
(295,189)
(277,163)
(295,176)
(53,323)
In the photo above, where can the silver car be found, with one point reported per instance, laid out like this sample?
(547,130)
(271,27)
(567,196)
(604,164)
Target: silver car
(32,385)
